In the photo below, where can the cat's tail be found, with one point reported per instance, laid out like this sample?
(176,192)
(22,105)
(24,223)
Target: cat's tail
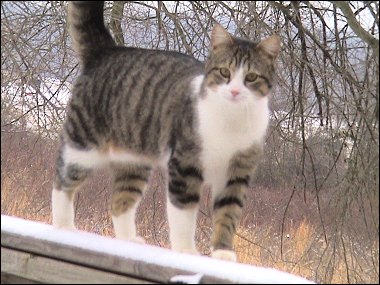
(87,29)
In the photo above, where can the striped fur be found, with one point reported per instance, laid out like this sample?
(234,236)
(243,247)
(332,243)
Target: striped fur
(88,33)
(228,204)
(134,109)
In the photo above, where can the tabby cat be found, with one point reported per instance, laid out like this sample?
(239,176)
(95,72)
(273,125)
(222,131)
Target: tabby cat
(134,109)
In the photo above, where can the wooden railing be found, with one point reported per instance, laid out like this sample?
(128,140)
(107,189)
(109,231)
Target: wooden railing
(33,252)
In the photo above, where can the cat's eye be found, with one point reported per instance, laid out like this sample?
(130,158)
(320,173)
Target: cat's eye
(250,77)
(225,72)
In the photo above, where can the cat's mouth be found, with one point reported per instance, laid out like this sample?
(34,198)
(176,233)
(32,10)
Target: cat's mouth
(236,99)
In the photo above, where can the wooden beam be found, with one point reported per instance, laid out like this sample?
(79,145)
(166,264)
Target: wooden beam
(51,271)
(40,253)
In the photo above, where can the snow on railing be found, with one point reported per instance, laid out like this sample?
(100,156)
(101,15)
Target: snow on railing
(33,251)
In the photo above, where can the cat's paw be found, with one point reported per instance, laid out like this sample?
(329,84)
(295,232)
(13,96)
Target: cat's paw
(65,227)
(137,239)
(185,247)
(224,254)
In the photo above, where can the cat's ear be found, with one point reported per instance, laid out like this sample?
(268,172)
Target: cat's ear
(219,37)
(271,45)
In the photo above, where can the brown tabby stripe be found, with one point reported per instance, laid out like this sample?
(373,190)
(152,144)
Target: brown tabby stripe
(225,201)
(129,183)
(70,176)
(130,189)
(187,170)
(188,198)
(238,180)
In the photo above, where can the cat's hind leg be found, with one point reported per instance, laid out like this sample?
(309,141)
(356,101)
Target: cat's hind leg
(70,174)
(129,184)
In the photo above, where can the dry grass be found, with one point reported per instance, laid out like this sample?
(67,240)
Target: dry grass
(304,255)
(251,249)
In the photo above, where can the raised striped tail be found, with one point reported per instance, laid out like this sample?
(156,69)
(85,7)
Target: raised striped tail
(87,29)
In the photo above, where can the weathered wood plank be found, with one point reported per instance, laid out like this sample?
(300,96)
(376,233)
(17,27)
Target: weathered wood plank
(46,270)
(13,279)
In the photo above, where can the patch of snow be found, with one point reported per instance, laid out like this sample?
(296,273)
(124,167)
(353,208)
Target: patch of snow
(187,279)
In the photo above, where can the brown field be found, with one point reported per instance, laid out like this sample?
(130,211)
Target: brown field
(295,244)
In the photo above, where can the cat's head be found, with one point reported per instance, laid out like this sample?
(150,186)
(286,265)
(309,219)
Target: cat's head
(238,70)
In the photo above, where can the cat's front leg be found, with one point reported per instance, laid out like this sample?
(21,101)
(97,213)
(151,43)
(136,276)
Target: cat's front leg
(228,203)
(185,180)
(227,210)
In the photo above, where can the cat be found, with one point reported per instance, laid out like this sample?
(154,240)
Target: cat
(135,109)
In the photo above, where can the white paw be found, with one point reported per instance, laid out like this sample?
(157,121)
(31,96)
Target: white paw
(65,227)
(188,247)
(224,254)
(137,239)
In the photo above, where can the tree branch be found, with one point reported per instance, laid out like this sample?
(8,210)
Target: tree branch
(115,24)
(356,27)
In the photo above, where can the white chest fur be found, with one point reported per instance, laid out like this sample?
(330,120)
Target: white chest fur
(225,128)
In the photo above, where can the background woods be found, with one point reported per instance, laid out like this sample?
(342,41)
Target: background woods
(314,209)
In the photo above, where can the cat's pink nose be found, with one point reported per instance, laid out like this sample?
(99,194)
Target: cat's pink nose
(235,93)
